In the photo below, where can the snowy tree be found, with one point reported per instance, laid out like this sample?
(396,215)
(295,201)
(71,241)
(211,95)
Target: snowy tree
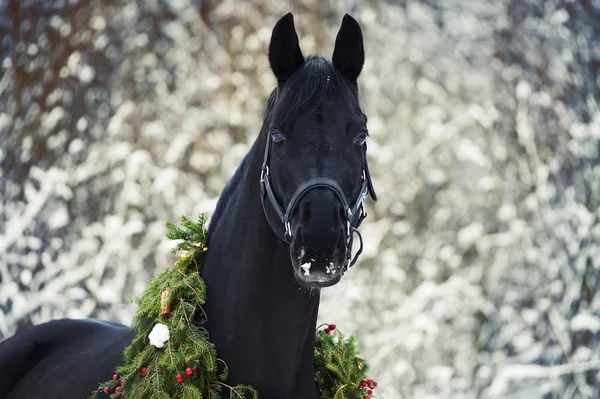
(482,255)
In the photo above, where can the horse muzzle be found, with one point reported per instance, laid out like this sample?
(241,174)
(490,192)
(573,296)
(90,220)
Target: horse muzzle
(318,246)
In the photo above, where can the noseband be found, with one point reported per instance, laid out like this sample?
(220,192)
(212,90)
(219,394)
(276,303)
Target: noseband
(354,214)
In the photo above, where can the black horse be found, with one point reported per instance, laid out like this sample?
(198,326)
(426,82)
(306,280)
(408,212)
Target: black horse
(282,229)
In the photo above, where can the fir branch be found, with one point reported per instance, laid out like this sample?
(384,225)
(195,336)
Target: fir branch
(150,372)
(191,234)
(188,346)
(339,371)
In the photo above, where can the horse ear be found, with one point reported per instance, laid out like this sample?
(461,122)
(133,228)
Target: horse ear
(349,53)
(285,56)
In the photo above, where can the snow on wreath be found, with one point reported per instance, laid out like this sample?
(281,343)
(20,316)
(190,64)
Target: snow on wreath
(159,335)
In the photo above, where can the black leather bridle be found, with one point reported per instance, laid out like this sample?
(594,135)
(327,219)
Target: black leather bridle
(354,213)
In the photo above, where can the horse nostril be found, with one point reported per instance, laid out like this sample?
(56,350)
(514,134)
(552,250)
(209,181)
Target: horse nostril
(301,251)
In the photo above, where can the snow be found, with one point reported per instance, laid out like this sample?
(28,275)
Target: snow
(86,73)
(306,268)
(159,335)
(484,123)
(59,218)
(302,253)
(50,120)
(585,322)
(330,268)
(26,277)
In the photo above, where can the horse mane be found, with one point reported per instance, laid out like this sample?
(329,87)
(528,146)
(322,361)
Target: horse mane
(228,190)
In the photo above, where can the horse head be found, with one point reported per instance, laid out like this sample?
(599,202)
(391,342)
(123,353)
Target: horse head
(315,175)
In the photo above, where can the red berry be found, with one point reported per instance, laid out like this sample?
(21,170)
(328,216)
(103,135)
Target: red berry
(107,390)
(363,383)
(143,370)
(179,378)
(332,326)
(118,389)
(370,392)
(366,397)
(116,377)
(189,371)
(327,331)
(374,383)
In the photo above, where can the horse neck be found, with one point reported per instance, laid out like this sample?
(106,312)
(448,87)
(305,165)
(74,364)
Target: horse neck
(261,320)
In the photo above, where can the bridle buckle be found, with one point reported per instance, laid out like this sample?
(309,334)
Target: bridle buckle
(264,172)
(288,230)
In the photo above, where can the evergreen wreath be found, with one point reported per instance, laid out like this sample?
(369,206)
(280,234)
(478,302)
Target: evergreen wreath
(171,356)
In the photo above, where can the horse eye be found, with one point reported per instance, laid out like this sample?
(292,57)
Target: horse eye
(277,136)
(360,140)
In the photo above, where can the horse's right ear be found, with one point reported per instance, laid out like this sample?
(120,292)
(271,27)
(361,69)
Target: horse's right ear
(285,56)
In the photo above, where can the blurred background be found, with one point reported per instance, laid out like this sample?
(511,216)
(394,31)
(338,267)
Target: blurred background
(482,255)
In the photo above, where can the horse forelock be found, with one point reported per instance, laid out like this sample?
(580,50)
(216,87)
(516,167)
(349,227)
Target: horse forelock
(317,84)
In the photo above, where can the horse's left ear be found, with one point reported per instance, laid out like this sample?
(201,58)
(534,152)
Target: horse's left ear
(349,53)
